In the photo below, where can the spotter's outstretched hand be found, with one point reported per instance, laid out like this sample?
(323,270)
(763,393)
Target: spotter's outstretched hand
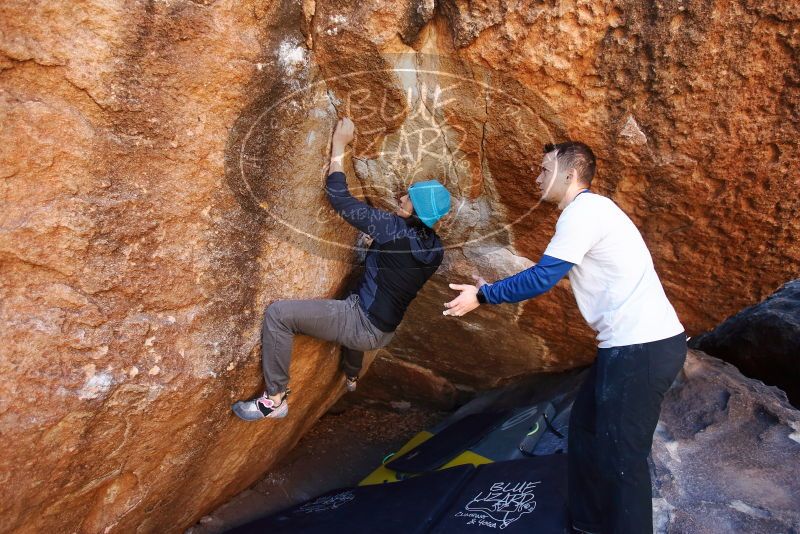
(465,302)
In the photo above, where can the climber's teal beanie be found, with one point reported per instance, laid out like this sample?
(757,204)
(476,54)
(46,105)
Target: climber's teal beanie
(431,201)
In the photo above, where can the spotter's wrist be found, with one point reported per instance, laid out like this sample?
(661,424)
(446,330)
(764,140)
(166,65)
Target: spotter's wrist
(480,296)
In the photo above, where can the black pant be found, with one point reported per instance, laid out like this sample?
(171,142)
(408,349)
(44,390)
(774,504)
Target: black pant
(611,432)
(352,360)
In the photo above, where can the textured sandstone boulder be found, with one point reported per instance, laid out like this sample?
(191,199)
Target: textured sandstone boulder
(694,131)
(392,380)
(136,258)
(162,165)
(725,454)
(762,341)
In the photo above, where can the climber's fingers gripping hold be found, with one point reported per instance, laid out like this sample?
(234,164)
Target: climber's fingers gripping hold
(463,303)
(344,131)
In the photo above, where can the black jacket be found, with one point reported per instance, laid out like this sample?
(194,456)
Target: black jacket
(398,263)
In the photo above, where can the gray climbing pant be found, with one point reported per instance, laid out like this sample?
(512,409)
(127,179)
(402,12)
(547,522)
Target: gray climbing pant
(340,321)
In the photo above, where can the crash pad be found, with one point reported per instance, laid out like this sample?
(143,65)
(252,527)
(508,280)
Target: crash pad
(526,495)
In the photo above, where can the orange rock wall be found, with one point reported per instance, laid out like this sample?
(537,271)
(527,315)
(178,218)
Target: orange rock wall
(162,164)
(134,268)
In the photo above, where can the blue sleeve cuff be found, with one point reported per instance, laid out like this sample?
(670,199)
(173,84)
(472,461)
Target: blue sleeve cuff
(527,284)
(481,296)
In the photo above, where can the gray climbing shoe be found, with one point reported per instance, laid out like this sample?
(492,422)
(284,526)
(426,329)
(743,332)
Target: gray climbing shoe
(351,383)
(261,408)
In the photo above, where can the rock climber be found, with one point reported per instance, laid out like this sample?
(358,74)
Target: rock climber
(641,342)
(404,253)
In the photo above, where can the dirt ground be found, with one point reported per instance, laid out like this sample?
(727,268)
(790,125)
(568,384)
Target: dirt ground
(343,447)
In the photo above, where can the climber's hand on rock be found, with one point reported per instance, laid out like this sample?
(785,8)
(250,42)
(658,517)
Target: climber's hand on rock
(464,303)
(342,136)
(343,133)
